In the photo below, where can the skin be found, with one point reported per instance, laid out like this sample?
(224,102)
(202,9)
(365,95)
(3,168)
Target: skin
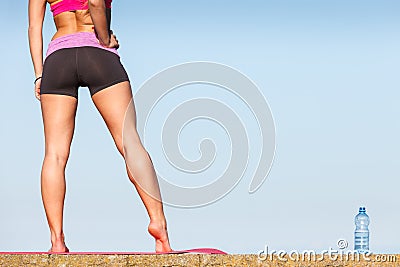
(58,112)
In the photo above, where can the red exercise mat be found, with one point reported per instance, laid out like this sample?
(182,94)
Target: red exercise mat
(193,251)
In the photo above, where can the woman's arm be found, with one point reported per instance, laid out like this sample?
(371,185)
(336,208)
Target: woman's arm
(37,9)
(97,9)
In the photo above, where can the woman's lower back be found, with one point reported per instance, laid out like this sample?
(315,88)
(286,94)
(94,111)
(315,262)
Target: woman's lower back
(72,22)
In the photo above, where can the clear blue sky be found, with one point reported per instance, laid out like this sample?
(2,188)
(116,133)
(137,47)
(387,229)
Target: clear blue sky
(329,70)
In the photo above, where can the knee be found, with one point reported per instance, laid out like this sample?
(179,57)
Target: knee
(57,157)
(137,156)
(119,144)
(121,150)
(129,146)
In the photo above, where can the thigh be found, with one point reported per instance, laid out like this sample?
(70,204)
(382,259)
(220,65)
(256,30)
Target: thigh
(58,113)
(115,103)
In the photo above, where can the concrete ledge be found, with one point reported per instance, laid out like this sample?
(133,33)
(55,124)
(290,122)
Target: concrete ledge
(192,260)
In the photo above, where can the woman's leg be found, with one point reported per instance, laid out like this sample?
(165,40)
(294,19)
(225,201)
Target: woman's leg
(112,104)
(58,113)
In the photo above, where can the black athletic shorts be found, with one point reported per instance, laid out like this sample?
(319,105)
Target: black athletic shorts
(67,69)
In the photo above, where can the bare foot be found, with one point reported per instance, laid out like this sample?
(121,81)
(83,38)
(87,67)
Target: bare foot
(59,249)
(58,246)
(160,234)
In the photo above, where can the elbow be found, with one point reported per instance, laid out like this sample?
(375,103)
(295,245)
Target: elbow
(31,28)
(35,27)
(34,30)
(96,3)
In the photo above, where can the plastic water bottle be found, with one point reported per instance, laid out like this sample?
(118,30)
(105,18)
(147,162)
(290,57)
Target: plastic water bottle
(361,234)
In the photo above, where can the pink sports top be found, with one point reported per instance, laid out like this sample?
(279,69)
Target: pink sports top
(61,6)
